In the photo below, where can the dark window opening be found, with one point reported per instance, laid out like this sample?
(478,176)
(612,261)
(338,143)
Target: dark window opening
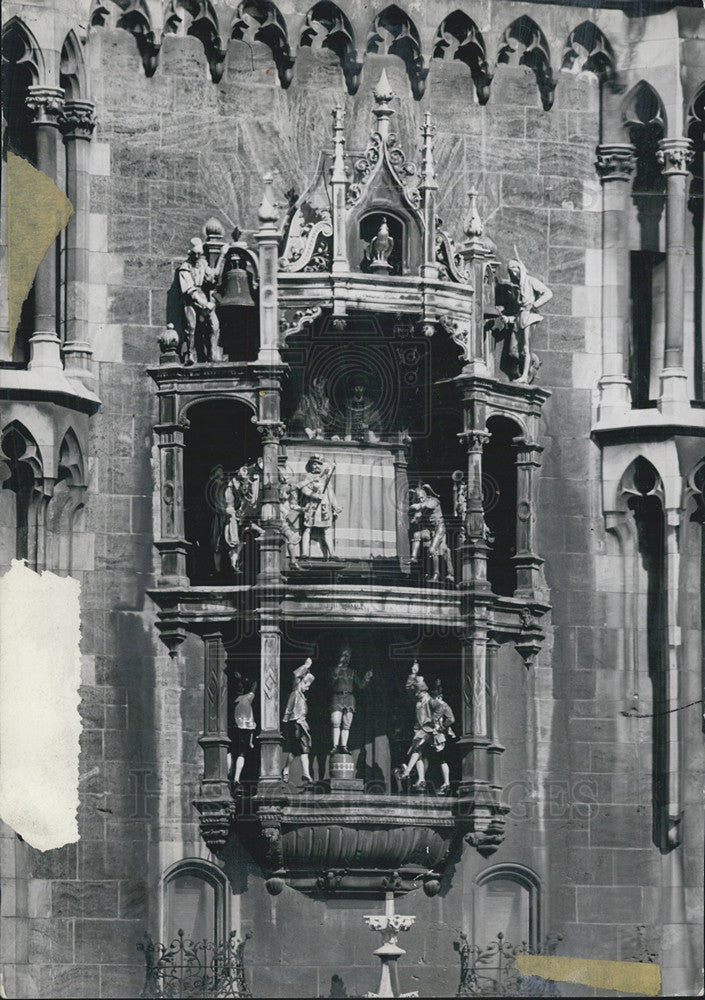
(645,313)
(499,500)
(220,440)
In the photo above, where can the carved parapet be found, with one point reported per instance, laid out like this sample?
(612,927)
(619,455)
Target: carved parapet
(388,843)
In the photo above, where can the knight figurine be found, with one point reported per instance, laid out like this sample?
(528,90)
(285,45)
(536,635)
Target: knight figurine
(201,325)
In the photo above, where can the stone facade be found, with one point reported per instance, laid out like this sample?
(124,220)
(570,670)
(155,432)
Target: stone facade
(190,139)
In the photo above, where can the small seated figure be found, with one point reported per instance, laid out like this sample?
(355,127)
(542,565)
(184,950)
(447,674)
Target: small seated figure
(312,414)
(429,531)
(297,735)
(244,722)
(319,505)
(359,419)
(343,681)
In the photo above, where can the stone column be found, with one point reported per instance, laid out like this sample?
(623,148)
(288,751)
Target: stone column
(475,737)
(44,344)
(428,188)
(495,748)
(615,165)
(77,122)
(528,564)
(270,544)
(214,800)
(172,543)
(268,240)
(270,738)
(215,740)
(339,187)
(673,768)
(473,552)
(674,156)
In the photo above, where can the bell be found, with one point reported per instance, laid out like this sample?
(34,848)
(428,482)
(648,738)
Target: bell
(235,289)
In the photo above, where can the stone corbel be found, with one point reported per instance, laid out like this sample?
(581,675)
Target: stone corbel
(530,640)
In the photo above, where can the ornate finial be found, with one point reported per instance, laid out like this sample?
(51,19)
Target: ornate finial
(168,341)
(473,223)
(383,95)
(338,119)
(383,92)
(213,227)
(429,168)
(338,168)
(267,212)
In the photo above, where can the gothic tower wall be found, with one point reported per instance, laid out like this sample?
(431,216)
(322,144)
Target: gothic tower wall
(169,151)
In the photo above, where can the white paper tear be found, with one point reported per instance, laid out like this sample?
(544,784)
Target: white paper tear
(40,726)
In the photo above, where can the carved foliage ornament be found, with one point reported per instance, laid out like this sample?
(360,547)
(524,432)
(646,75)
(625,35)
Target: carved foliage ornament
(46,104)
(615,161)
(675,156)
(365,166)
(77,119)
(461,333)
(309,245)
(451,266)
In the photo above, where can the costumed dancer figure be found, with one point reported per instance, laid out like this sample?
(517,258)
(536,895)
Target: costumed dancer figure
(423,730)
(297,735)
(343,681)
(442,718)
(320,508)
(429,531)
(531,295)
(244,721)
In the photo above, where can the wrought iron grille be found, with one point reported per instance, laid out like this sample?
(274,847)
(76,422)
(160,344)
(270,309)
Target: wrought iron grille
(194,969)
(490,971)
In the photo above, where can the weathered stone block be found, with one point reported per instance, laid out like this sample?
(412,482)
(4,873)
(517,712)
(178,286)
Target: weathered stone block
(111,942)
(609,905)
